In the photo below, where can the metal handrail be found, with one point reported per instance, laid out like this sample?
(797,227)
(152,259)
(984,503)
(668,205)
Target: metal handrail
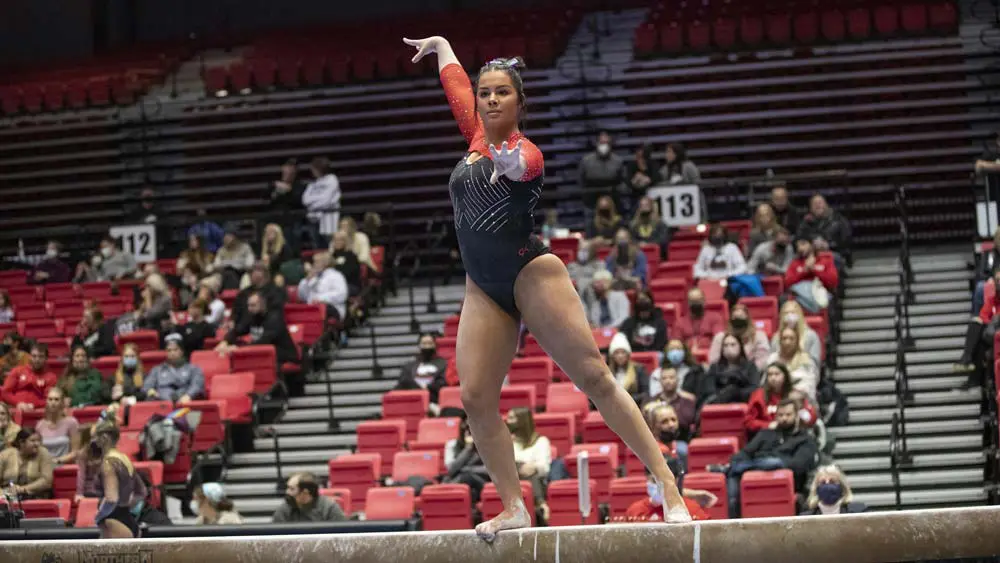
(894,459)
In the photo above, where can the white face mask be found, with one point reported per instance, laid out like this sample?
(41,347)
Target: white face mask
(655,495)
(95,261)
(51,253)
(792,319)
(106,251)
(193,505)
(604,149)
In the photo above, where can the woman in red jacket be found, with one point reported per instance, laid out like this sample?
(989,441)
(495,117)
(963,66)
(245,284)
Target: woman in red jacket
(777,385)
(807,266)
(979,335)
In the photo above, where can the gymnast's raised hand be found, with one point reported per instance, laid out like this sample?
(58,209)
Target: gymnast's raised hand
(507,162)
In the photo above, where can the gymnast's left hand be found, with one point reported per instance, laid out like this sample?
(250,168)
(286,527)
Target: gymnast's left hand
(507,162)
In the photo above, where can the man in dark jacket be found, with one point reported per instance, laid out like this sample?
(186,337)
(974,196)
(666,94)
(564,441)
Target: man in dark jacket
(51,269)
(426,371)
(788,446)
(262,283)
(785,213)
(264,327)
(346,262)
(646,330)
(286,201)
(97,336)
(826,228)
(303,503)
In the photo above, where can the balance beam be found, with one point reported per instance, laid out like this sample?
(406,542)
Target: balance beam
(863,538)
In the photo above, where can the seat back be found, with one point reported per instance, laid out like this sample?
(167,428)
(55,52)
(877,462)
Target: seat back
(669,290)
(451,328)
(140,413)
(767,494)
(624,492)
(409,406)
(513,396)
(86,513)
(559,428)
(312,317)
(446,507)
(438,431)
(707,451)
(64,481)
(566,397)
(714,483)
(390,503)
(211,363)
(407,464)
(450,397)
(564,503)
(537,371)
(596,431)
(719,421)
(210,431)
(382,437)
(357,473)
(55,508)
(340,495)
(762,308)
(259,360)
(144,340)
(233,390)
(446,347)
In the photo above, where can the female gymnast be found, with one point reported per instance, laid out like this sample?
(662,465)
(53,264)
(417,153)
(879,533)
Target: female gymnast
(120,486)
(512,276)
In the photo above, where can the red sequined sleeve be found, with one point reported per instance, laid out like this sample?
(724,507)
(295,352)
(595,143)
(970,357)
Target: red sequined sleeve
(462,100)
(533,159)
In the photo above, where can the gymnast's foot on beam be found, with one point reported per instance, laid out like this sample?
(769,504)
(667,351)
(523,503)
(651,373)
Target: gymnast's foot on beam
(513,519)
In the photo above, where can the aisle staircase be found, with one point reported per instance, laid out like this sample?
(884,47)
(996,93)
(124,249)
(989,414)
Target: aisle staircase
(943,430)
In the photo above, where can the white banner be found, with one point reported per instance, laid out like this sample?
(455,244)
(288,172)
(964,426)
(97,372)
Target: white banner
(137,240)
(679,205)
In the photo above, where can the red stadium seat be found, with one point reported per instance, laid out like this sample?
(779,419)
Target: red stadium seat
(30,418)
(152,358)
(433,433)
(211,363)
(450,397)
(751,30)
(107,365)
(259,360)
(58,347)
(446,347)
(513,396)
(234,391)
(859,23)
(341,496)
(129,444)
(833,25)
(409,464)
(724,33)
(314,70)
(563,499)
(140,413)
(210,431)
(559,428)
(767,494)
(725,420)
(671,37)
(215,80)
(55,508)
(490,504)
(239,76)
(714,483)
(99,91)
(675,270)
(566,397)
(446,507)
(774,286)
(40,328)
(311,317)
(707,451)
(409,406)
(87,415)
(144,340)
(154,472)
(778,27)
(96,290)
(390,503)
(699,36)
(625,491)
(762,308)
(942,16)
(714,290)
(64,481)
(886,20)
(357,473)
(382,437)
(806,27)
(669,290)
(914,18)
(650,360)
(264,71)
(24,295)
(603,465)
(451,326)
(59,292)
(531,348)
(596,431)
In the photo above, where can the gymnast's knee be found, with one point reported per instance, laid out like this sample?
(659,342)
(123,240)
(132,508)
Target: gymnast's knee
(478,402)
(595,380)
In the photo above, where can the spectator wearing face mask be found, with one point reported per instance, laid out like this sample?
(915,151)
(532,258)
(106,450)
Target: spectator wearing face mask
(149,211)
(678,168)
(650,509)
(665,425)
(731,378)
(787,446)
(830,493)
(698,323)
(628,262)
(125,386)
(462,459)
(772,258)
(175,380)
(6,309)
(600,172)
(827,228)
(606,221)
(303,503)
(683,403)
(233,259)
(197,329)
(792,316)
(755,344)
(784,212)
(719,259)
(427,371)
(582,270)
(210,504)
(606,307)
(11,355)
(110,264)
(157,302)
(51,269)
(765,227)
(642,173)
(630,375)
(763,404)
(26,387)
(646,330)
(807,266)
(648,228)
(689,372)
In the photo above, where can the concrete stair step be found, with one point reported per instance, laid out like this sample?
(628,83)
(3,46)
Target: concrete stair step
(315,437)
(363,374)
(849,327)
(382,319)
(339,400)
(889,333)
(891,267)
(845,373)
(861,348)
(889,358)
(384,351)
(913,428)
(968,442)
(347,387)
(358,364)
(862,414)
(857,311)
(884,300)
(933,497)
(269,474)
(919,479)
(858,391)
(363,341)
(854,465)
(322,414)
(893,279)
(287,456)
(918,287)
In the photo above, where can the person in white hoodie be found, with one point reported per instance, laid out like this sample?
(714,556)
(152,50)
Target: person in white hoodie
(322,200)
(325,285)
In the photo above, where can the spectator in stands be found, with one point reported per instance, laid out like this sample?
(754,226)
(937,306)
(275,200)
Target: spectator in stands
(582,270)
(663,422)
(600,172)
(81,384)
(650,509)
(189,284)
(209,293)
(987,263)
(6,309)
(719,258)
(210,504)
(628,374)
(175,380)
(148,211)
(346,262)
(787,446)
(357,242)
(233,260)
(28,466)
(792,316)
(989,163)
(126,386)
(979,335)
(94,334)
(678,356)
(208,231)
(827,229)
(807,266)
(606,221)
(551,227)
(8,428)
(732,377)
(11,354)
(606,307)
(462,459)
(755,344)
(642,173)
(322,199)
(683,403)
(59,431)
(157,302)
(88,474)
(371,225)
(765,227)
(325,285)
(678,168)
(265,327)
(627,262)
(830,493)
(646,330)
(260,282)
(784,212)
(274,251)
(196,254)
(805,373)
(26,387)
(51,269)
(303,503)
(144,512)
(286,199)
(110,264)
(426,371)
(532,454)
(772,258)
(648,228)
(763,403)
(698,323)
(197,329)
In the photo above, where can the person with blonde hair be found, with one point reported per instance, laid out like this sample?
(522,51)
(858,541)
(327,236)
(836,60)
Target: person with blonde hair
(792,316)
(755,345)
(532,453)
(119,485)
(126,383)
(765,227)
(274,250)
(829,493)
(805,373)
(156,302)
(8,428)
(357,242)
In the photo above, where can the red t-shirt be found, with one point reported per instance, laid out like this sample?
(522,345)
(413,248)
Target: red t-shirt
(645,510)
(23,385)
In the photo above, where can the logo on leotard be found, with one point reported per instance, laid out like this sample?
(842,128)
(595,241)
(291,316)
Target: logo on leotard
(523,251)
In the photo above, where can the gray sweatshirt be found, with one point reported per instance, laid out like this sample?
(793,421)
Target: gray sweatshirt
(173,382)
(323,509)
(118,264)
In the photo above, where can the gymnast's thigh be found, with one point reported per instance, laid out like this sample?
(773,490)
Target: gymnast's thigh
(487,342)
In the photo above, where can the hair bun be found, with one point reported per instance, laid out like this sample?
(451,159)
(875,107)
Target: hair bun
(517,63)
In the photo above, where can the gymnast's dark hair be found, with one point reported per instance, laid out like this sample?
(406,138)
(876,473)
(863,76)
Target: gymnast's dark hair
(512,67)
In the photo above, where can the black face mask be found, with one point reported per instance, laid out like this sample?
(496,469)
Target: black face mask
(259,317)
(643,306)
(739,323)
(697,308)
(4,349)
(604,212)
(95,451)
(644,213)
(667,436)
(786,428)
(716,240)
(427,354)
(780,247)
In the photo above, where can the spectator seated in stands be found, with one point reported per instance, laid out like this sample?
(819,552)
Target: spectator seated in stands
(771,258)
(26,387)
(830,493)
(321,199)
(828,230)
(462,459)
(143,511)
(807,266)
(233,259)
(606,307)
(646,330)
(8,428)
(346,262)
(640,175)
(196,254)
(763,404)
(784,212)
(605,223)
(678,168)
(582,270)
(110,264)
(986,264)
(787,446)
(628,374)
(157,303)
(303,503)
(791,316)
(663,422)
(764,227)
(979,336)
(209,293)
(189,283)
(6,309)
(647,226)
(600,172)
(175,380)
(689,371)
(265,327)
(274,250)
(719,258)
(81,384)
(210,504)
(532,454)
(11,354)
(28,466)
(59,431)
(358,243)
(261,282)
(285,194)
(197,329)
(627,261)
(326,285)
(94,334)
(805,374)
(698,323)
(755,344)
(88,467)
(51,269)
(126,386)
(208,231)
(732,378)
(682,402)
(426,371)
(650,509)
